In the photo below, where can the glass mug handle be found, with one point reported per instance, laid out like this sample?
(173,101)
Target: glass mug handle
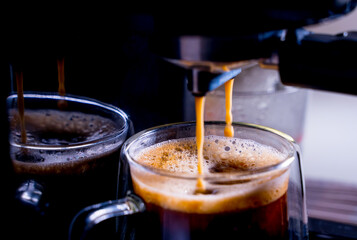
(30,194)
(92,215)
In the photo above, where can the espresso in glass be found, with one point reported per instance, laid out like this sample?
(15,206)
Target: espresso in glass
(240,199)
(71,153)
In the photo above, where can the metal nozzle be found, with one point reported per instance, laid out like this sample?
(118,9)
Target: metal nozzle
(205,76)
(200,82)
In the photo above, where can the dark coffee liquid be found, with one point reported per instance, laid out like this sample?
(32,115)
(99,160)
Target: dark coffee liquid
(73,177)
(230,209)
(265,222)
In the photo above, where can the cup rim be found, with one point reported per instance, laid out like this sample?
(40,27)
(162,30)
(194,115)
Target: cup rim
(245,175)
(79,99)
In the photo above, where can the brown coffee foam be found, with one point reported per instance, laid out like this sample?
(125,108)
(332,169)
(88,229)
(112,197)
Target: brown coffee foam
(69,161)
(55,121)
(64,164)
(179,193)
(220,154)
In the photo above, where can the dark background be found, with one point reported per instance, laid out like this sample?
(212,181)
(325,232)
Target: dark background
(106,57)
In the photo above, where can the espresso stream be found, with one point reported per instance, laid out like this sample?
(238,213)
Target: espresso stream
(228,130)
(228,86)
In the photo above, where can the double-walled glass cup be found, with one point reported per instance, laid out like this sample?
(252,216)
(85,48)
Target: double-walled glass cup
(68,159)
(260,203)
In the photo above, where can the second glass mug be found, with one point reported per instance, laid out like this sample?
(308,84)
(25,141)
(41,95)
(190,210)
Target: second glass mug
(263,203)
(70,152)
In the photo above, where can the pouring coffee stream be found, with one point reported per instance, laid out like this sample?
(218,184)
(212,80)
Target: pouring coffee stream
(20,95)
(228,131)
(61,87)
(20,105)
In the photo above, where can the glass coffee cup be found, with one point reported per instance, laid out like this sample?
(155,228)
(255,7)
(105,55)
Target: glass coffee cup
(254,187)
(71,151)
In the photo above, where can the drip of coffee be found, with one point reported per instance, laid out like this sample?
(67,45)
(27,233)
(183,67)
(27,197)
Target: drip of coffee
(199,104)
(228,86)
(62,104)
(20,105)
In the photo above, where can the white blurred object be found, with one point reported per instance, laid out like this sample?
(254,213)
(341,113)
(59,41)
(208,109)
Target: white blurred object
(343,24)
(329,147)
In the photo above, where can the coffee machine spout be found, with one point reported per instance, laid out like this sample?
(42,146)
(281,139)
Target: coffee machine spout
(200,82)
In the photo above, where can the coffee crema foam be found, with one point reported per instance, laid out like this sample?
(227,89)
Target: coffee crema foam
(60,129)
(54,127)
(221,155)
